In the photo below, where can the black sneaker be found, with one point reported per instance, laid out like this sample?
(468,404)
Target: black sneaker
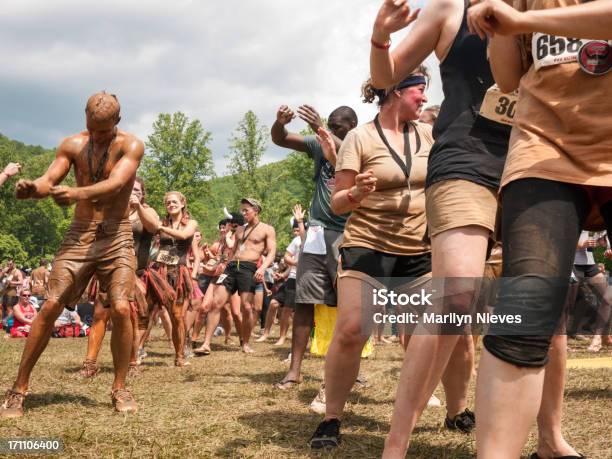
(327,435)
(465,422)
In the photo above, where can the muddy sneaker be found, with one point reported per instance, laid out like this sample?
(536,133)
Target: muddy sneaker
(13,405)
(327,435)
(123,401)
(318,404)
(90,369)
(465,422)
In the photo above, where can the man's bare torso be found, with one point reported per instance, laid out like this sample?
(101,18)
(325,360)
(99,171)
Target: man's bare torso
(114,207)
(254,246)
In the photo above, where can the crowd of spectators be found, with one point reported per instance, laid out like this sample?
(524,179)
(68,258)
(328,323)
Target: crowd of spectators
(23,289)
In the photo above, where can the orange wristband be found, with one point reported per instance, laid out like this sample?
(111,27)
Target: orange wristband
(375,44)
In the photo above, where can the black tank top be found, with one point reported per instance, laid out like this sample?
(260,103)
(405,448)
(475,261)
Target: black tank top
(467,146)
(176,247)
(142,244)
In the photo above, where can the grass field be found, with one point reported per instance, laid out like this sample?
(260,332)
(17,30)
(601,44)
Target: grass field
(225,405)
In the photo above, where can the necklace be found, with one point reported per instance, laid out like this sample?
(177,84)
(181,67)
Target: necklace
(95,177)
(245,236)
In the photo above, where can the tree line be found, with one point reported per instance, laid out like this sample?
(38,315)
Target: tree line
(178,157)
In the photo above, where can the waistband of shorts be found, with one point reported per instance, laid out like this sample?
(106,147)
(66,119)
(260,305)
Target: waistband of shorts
(101,225)
(246,264)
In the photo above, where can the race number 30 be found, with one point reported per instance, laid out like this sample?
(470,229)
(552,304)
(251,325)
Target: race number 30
(499,106)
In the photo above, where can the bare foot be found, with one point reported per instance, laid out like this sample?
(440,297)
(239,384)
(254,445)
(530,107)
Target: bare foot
(181,362)
(280,341)
(247,349)
(262,338)
(229,340)
(202,350)
(595,345)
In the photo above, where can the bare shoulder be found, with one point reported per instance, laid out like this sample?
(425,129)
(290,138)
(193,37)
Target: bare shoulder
(131,144)
(440,11)
(73,144)
(269,229)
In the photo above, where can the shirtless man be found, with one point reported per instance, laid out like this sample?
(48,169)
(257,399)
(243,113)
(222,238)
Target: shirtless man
(242,274)
(40,281)
(99,240)
(14,281)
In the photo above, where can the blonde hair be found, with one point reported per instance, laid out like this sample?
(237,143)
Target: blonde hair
(186,216)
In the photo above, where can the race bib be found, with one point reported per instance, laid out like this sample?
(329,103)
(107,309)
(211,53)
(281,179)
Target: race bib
(498,106)
(164,257)
(315,241)
(550,50)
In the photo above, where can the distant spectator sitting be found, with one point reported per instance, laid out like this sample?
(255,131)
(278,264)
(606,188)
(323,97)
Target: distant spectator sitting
(10,170)
(69,325)
(23,316)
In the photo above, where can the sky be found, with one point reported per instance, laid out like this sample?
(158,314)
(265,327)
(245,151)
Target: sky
(212,60)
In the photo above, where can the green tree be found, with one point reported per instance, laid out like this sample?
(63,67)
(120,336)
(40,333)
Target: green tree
(10,247)
(247,146)
(37,225)
(178,158)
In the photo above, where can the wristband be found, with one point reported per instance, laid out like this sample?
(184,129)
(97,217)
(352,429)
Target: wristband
(384,46)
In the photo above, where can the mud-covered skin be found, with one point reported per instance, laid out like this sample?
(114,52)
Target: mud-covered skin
(104,248)
(99,239)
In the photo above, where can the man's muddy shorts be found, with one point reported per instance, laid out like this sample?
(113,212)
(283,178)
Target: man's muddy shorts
(105,249)
(238,276)
(456,203)
(316,274)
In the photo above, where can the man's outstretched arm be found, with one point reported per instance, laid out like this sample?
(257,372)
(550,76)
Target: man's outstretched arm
(57,171)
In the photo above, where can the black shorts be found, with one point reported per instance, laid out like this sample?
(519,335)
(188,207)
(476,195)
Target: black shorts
(279,295)
(383,265)
(239,277)
(289,288)
(204,281)
(541,224)
(586,271)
